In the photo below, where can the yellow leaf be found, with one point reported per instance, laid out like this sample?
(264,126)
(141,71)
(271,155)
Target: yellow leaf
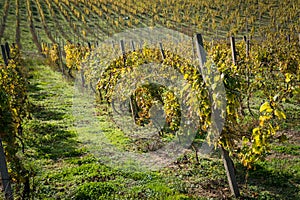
(256,130)
(288,77)
(257,139)
(265,107)
(186,76)
(15,112)
(256,150)
(262,119)
(280,114)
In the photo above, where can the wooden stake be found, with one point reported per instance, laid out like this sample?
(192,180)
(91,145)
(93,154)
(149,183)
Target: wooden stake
(247,41)
(4,175)
(132,45)
(163,55)
(141,46)
(7,49)
(200,51)
(4,55)
(248,47)
(228,164)
(233,50)
(229,167)
(122,45)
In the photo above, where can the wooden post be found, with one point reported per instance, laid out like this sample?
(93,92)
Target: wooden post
(7,49)
(247,41)
(141,46)
(229,167)
(4,55)
(122,45)
(288,37)
(248,47)
(162,51)
(233,50)
(4,175)
(228,164)
(132,45)
(200,51)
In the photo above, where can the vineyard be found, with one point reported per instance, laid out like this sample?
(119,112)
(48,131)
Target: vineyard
(119,99)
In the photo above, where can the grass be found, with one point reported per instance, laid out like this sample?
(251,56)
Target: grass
(63,156)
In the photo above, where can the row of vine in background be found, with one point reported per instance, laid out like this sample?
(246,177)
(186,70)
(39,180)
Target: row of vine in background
(257,87)
(100,19)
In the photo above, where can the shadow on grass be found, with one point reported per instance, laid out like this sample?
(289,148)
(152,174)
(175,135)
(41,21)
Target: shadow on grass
(37,92)
(269,182)
(42,113)
(47,133)
(49,140)
(33,87)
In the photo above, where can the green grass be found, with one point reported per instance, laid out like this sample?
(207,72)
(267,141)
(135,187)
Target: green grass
(289,149)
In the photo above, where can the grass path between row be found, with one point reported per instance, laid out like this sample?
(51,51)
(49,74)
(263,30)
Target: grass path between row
(63,166)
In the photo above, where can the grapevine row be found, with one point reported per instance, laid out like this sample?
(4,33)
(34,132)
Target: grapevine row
(67,17)
(56,20)
(4,17)
(32,27)
(42,17)
(18,30)
(14,110)
(272,76)
(215,19)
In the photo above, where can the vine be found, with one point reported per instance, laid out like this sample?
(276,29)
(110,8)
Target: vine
(13,110)
(270,75)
